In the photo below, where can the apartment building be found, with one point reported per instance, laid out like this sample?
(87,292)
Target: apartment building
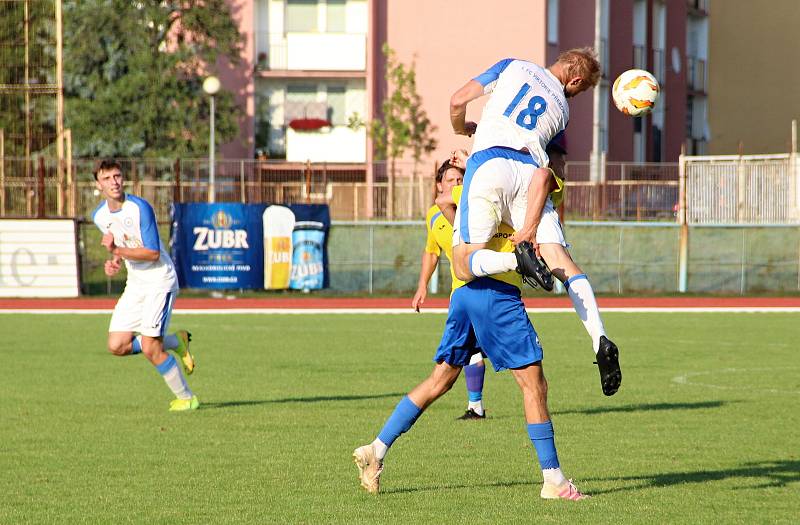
(311,65)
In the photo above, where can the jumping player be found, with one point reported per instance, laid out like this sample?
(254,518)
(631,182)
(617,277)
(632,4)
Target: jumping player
(507,180)
(130,234)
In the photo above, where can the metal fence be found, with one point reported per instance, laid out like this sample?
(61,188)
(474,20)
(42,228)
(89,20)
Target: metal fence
(755,189)
(747,189)
(354,192)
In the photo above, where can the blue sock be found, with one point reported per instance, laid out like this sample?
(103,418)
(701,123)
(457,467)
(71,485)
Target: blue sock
(474,375)
(404,416)
(136,345)
(541,435)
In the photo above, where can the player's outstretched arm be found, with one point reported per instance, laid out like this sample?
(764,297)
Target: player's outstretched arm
(458,107)
(429,263)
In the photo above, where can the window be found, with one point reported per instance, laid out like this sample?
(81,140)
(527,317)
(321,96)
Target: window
(552,21)
(336,17)
(336,105)
(301,16)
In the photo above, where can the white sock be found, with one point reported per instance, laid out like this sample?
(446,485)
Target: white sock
(554,476)
(477,406)
(489,262)
(582,295)
(173,377)
(380,449)
(170,342)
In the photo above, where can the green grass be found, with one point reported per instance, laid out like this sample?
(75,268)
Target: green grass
(86,437)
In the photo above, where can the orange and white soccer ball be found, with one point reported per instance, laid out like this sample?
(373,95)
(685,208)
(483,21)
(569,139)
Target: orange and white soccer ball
(635,92)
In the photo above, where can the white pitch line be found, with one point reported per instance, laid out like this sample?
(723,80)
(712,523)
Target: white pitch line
(685,379)
(317,311)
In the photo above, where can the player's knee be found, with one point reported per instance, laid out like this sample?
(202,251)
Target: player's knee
(116,348)
(461,268)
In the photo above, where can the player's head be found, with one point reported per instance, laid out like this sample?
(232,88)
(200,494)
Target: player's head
(108,177)
(578,69)
(448,176)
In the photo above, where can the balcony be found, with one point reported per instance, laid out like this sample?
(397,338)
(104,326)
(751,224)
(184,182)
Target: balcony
(696,74)
(311,52)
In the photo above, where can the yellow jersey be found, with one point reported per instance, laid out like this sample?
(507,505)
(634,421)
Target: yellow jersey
(440,239)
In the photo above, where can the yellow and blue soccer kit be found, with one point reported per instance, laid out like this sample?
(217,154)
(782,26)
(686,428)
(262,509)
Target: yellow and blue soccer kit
(486,311)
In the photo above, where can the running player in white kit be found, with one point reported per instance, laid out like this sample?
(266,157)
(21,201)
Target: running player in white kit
(130,234)
(508,180)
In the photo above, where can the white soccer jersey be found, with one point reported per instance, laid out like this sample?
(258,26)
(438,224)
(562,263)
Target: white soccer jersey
(527,108)
(134,226)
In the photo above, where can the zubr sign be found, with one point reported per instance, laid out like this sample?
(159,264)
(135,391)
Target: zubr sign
(248,245)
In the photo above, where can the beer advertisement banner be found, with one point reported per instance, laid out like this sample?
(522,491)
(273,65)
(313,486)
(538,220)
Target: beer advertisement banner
(231,246)
(217,245)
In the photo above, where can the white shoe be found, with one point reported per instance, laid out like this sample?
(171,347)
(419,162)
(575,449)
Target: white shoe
(369,468)
(564,491)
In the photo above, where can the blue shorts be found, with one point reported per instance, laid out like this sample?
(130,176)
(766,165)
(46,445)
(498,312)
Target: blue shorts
(489,314)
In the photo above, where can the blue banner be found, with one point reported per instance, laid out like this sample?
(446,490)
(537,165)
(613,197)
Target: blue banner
(222,245)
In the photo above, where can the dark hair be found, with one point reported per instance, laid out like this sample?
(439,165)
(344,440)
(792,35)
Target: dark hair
(443,169)
(106,165)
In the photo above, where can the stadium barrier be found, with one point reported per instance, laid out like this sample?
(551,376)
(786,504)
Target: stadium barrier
(379,257)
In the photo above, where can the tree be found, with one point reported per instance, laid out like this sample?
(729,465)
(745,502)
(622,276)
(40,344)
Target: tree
(133,73)
(404,124)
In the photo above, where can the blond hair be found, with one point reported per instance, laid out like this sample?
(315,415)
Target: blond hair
(581,62)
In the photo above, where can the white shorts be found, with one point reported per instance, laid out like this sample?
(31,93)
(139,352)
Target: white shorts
(495,190)
(549,230)
(148,312)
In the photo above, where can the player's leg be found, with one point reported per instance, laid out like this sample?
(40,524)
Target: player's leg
(454,351)
(369,458)
(533,384)
(156,315)
(508,338)
(488,187)
(474,374)
(124,322)
(123,343)
(553,248)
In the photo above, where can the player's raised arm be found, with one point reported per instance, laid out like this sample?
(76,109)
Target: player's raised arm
(458,107)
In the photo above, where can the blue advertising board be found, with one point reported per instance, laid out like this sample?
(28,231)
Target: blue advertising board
(221,245)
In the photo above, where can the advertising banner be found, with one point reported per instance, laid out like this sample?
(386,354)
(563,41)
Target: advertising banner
(310,247)
(217,245)
(231,246)
(38,258)
(278,223)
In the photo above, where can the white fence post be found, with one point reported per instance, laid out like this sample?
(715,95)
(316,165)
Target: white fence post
(683,250)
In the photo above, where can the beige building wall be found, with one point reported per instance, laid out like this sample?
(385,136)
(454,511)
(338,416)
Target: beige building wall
(754,75)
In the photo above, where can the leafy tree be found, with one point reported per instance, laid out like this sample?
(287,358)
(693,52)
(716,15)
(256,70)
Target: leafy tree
(133,73)
(404,124)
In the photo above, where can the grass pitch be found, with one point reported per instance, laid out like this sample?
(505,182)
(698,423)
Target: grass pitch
(704,429)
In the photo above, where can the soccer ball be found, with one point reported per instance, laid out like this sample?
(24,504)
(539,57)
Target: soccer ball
(635,92)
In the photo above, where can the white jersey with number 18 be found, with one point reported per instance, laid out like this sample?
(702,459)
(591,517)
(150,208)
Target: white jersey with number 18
(527,108)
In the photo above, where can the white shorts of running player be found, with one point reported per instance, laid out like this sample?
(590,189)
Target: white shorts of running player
(145,312)
(497,193)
